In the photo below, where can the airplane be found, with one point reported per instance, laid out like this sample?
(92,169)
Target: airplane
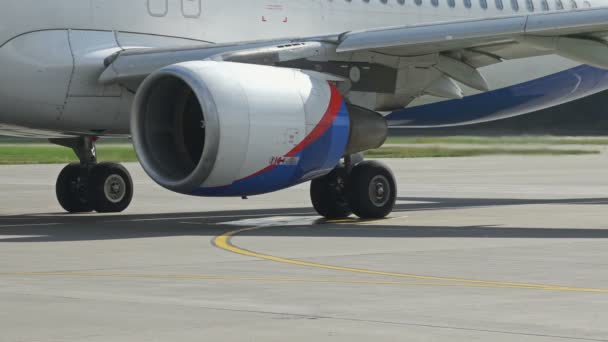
(245,97)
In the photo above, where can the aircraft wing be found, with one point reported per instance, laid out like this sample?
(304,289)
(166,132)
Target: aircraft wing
(536,30)
(454,50)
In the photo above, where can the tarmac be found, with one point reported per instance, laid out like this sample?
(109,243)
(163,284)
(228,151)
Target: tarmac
(487,248)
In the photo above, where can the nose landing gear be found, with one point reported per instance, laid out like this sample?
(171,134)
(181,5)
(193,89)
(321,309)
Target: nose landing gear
(90,186)
(367,189)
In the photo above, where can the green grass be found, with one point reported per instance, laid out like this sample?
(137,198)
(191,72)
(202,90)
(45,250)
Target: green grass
(43,154)
(431,152)
(50,154)
(38,141)
(507,140)
(469,140)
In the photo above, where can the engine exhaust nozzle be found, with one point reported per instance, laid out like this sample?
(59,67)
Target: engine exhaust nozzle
(368,130)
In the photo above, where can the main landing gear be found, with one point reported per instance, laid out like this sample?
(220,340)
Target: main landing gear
(90,186)
(365,188)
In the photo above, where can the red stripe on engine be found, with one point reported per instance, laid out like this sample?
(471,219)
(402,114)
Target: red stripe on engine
(335,103)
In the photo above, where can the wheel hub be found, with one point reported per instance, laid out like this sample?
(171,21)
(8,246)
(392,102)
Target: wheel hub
(379,191)
(115,188)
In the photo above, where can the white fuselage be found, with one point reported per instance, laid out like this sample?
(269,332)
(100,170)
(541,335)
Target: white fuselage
(52,52)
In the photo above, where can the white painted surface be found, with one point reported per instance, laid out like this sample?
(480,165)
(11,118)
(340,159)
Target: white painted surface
(40,62)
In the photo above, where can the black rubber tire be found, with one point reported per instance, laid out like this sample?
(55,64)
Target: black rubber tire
(328,196)
(97,182)
(360,199)
(70,194)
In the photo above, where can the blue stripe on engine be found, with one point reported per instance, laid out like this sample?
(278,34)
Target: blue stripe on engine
(506,102)
(319,157)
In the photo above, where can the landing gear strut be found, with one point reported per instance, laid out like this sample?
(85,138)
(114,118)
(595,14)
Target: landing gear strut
(88,185)
(365,188)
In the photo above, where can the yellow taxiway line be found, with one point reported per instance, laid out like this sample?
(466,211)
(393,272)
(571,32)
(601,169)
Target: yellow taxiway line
(224,242)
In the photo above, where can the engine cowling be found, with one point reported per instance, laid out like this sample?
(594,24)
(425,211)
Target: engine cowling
(228,129)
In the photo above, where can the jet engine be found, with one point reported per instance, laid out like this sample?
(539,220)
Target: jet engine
(210,128)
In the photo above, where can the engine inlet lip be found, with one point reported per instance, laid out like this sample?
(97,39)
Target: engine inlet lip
(186,72)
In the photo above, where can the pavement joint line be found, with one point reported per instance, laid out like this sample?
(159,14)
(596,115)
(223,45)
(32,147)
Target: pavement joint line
(208,217)
(366,228)
(321,221)
(237,278)
(29,225)
(234,278)
(243,215)
(224,242)
(350,220)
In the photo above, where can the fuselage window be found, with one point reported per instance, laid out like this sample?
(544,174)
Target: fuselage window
(499,4)
(544,4)
(586,4)
(158,8)
(483,4)
(467,3)
(573,4)
(418,2)
(559,5)
(401,2)
(530,5)
(452,3)
(515,5)
(435,3)
(384,1)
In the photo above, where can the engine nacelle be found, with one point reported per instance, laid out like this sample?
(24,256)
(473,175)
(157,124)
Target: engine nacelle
(229,129)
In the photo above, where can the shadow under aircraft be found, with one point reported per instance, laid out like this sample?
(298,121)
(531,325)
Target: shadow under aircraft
(55,227)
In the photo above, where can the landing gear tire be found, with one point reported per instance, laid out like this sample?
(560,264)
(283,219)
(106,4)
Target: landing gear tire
(71,190)
(87,186)
(372,190)
(328,194)
(110,188)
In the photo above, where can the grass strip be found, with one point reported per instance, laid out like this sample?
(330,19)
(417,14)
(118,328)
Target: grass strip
(506,140)
(42,154)
(436,152)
